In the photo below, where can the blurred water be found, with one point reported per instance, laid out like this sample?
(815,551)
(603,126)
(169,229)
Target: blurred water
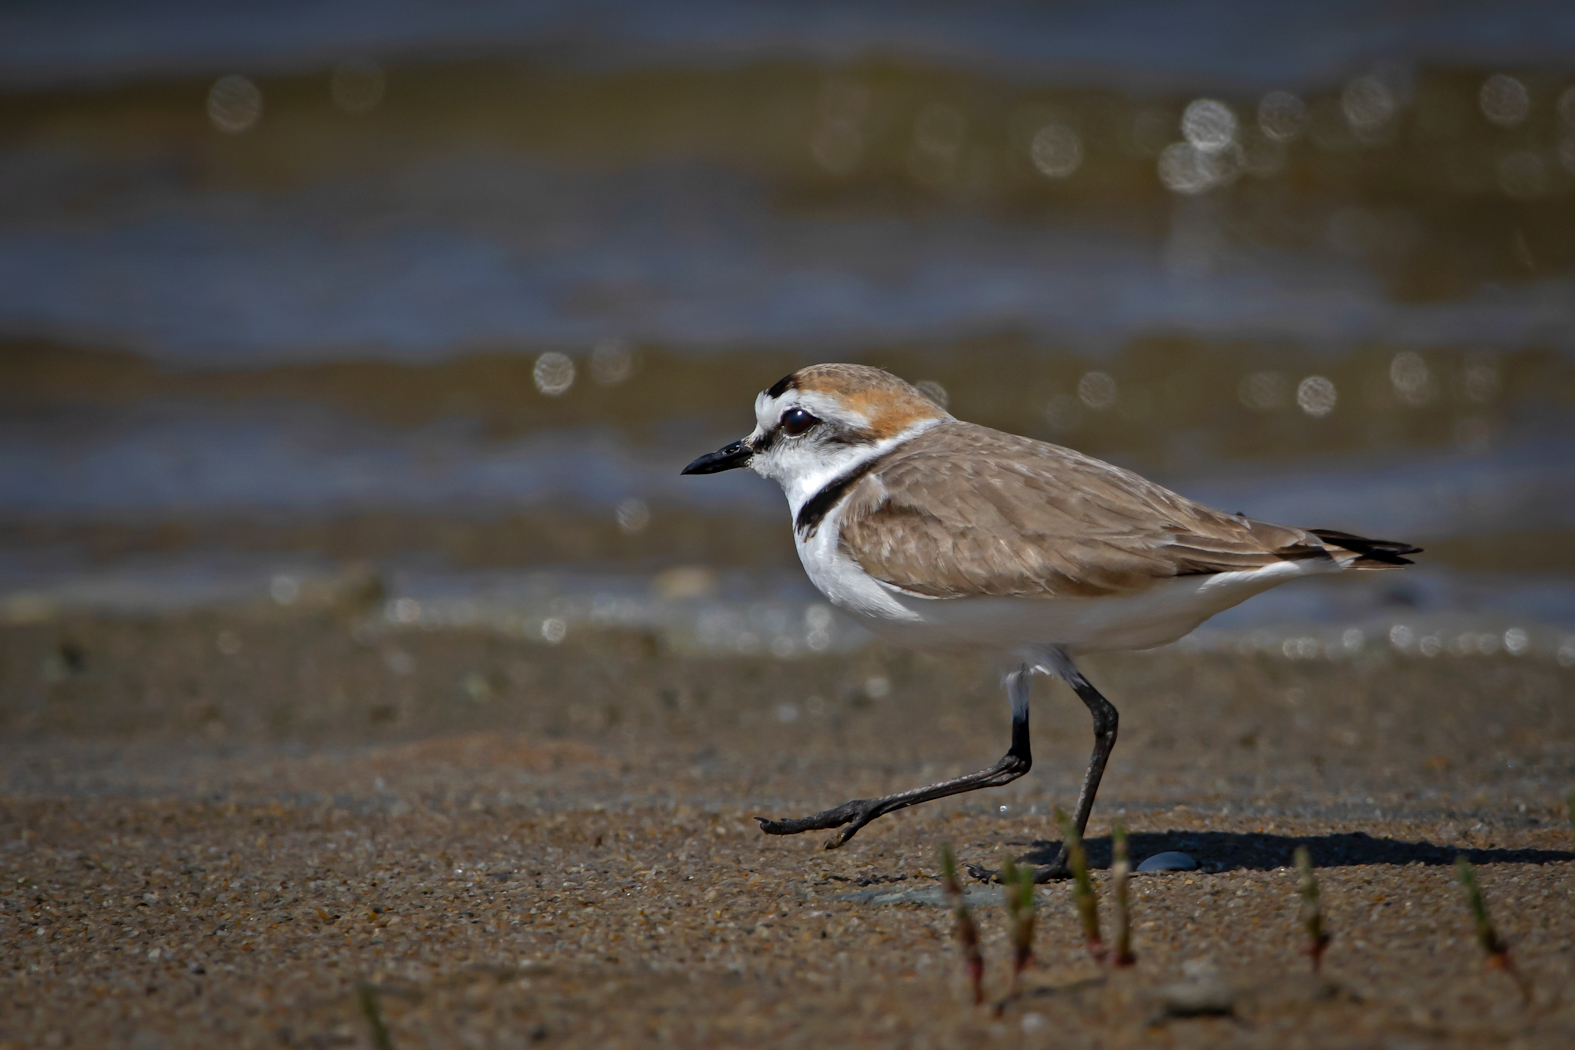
(459,291)
(156,458)
(490,250)
(1145,42)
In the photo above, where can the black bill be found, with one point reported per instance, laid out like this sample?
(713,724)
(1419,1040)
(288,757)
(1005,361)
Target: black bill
(725,458)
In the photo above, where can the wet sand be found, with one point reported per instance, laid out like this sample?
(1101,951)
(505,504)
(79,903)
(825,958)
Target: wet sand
(258,829)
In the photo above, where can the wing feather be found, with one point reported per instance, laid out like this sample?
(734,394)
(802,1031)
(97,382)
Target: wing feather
(965,510)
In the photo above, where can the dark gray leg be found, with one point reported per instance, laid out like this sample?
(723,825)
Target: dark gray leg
(859,812)
(1106,721)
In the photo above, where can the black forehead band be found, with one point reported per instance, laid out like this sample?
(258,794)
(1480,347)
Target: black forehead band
(781,386)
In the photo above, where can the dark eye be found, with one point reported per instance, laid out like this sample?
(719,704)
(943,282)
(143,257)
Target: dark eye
(795,421)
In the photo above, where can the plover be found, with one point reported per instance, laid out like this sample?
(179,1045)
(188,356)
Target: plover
(944,535)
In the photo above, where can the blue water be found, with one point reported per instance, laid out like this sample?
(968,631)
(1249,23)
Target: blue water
(1196,45)
(129,223)
(488,250)
(170,458)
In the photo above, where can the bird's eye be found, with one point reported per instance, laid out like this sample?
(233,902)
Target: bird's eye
(795,421)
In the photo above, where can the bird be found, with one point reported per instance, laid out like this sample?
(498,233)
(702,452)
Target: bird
(948,536)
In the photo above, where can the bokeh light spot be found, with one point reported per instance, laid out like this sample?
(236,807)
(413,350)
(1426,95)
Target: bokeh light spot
(1097,390)
(1504,100)
(634,516)
(1056,151)
(1208,125)
(553,374)
(1411,378)
(1480,382)
(1281,115)
(1367,103)
(285,589)
(234,104)
(1316,396)
(1184,168)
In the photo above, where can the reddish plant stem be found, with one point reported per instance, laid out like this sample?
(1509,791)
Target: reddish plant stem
(1312,908)
(967,932)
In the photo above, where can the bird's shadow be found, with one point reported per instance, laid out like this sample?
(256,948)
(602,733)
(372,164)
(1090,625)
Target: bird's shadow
(1231,851)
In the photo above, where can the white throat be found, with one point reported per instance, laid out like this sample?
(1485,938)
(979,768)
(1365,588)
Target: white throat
(800,485)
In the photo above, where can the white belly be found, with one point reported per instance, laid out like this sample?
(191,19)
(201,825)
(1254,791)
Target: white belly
(1156,615)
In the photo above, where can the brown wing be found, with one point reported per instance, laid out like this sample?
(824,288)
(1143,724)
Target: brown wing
(965,510)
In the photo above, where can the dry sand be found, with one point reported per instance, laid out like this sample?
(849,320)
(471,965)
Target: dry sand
(258,831)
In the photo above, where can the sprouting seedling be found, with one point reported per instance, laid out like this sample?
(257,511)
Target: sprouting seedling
(366,998)
(1120,872)
(967,932)
(1082,886)
(1487,936)
(1312,908)
(1019,889)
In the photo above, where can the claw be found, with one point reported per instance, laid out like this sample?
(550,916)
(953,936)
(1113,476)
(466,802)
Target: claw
(1051,872)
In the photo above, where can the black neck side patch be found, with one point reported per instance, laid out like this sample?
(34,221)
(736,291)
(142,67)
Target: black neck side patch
(819,505)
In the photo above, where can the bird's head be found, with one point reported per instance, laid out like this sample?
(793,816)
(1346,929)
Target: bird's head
(818,422)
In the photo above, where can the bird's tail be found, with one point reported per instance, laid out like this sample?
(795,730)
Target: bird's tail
(1370,554)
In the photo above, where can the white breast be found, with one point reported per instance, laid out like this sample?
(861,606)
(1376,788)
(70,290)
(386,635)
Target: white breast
(848,586)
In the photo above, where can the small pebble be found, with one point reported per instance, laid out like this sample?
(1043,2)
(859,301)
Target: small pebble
(1169,861)
(1205,998)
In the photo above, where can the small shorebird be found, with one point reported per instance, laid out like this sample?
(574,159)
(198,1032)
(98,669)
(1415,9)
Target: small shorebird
(940,534)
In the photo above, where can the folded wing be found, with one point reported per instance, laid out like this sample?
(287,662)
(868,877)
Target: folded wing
(965,510)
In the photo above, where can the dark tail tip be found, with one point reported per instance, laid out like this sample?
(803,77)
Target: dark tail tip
(1383,552)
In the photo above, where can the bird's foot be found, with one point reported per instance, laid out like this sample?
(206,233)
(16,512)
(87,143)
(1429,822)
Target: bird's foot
(1052,873)
(855,814)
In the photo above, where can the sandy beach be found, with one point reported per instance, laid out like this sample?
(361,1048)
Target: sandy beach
(268,830)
